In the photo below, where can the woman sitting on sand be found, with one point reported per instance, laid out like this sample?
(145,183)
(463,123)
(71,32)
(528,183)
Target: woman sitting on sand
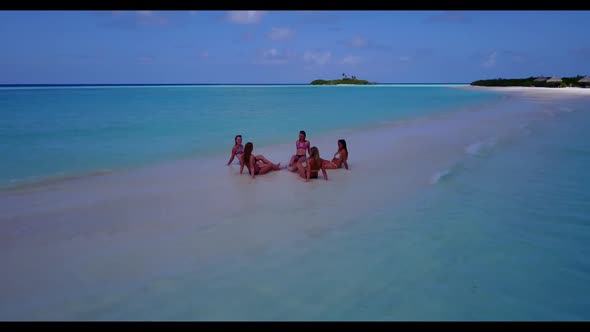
(312,166)
(302,147)
(237,150)
(340,157)
(256,164)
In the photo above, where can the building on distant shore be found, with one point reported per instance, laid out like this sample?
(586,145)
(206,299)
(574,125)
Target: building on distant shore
(554,81)
(585,82)
(541,79)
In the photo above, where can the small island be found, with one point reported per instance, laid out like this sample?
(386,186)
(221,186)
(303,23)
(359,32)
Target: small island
(547,82)
(345,80)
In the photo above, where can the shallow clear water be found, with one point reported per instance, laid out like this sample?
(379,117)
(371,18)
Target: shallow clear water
(503,236)
(57,131)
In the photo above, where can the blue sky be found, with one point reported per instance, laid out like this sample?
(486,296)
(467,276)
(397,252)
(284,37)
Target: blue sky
(69,47)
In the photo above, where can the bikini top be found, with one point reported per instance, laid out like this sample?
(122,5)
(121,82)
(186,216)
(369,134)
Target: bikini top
(301,145)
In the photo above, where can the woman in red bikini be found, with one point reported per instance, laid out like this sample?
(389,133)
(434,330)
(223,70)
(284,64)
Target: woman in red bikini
(303,147)
(237,150)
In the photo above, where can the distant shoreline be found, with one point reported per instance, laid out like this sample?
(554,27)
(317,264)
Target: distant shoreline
(540,82)
(342,81)
(199,84)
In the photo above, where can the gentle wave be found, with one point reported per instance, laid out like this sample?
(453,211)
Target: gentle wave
(479,147)
(42,182)
(438,176)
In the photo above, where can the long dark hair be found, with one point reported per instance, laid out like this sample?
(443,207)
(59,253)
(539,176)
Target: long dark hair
(304,134)
(343,142)
(236,139)
(247,153)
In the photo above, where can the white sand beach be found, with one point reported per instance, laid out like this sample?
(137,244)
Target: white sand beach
(537,91)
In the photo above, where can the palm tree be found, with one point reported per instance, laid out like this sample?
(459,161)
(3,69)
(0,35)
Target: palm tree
(344,75)
(353,78)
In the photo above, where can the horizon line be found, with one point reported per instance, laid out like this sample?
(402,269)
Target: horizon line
(164,84)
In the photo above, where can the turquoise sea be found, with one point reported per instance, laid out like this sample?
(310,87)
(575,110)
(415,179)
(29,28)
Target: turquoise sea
(58,131)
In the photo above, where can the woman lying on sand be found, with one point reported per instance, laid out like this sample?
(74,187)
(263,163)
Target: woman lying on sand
(256,164)
(312,166)
(237,150)
(302,146)
(340,157)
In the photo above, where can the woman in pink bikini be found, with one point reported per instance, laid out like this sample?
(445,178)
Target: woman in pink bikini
(303,147)
(257,165)
(237,150)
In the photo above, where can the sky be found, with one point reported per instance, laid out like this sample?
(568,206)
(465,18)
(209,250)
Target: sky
(167,47)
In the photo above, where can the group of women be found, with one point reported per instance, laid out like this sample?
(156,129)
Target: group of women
(307,167)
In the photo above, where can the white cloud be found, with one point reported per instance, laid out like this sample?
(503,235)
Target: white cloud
(146,60)
(351,60)
(363,42)
(274,56)
(133,19)
(270,52)
(245,16)
(281,33)
(145,13)
(449,17)
(405,58)
(317,57)
(148,17)
(490,60)
(358,42)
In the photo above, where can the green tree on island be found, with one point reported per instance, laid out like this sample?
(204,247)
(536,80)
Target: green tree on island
(344,80)
(533,82)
